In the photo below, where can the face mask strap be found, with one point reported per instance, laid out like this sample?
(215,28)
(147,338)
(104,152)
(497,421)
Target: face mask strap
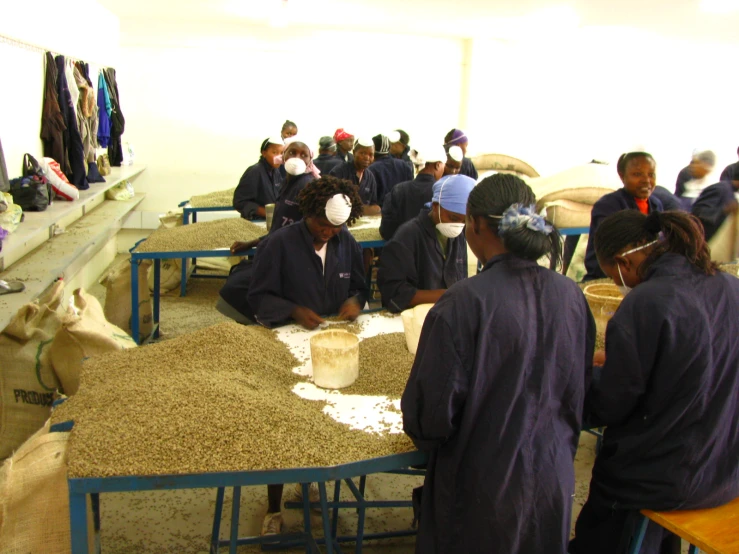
(642,247)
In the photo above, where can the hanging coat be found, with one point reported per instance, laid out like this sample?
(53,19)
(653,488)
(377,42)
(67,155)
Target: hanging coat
(608,205)
(288,273)
(495,396)
(75,154)
(287,210)
(667,395)
(388,172)
(404,202)
(53,127)
(710,206)
(413,261)
(468,169)
(104,112)
(117,121)
(257,187)
(367,186)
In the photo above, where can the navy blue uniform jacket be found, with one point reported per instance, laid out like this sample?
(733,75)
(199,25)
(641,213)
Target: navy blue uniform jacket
(287,210)
(413,261)
(288,273)
(668,393)
(326,162)
(258,187)
(404,202)
(608,205)
(730,172)
(683,177)
(468,169)
(670,202)
(388,172)
(709,206)
(496,395)
(367,187)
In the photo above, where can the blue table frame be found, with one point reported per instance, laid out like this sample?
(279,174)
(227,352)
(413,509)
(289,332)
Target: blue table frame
(190,212)
(79,488)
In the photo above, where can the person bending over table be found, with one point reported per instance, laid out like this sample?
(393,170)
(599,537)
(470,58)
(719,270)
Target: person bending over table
(496,391)
(715,204)
(260,182)
(428,254)
(667,388)
(356,171)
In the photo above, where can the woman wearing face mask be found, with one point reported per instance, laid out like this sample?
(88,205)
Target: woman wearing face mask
(637,171)
(259,183)
(428,254)
(355,171)
(300,171)
(496,390)
(667,390)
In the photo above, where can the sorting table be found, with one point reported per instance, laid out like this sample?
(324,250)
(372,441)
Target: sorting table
(359,412)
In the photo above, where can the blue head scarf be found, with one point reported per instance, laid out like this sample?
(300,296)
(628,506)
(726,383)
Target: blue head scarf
(453,190)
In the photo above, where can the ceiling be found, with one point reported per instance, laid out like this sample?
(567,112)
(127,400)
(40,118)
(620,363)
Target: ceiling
(687,19)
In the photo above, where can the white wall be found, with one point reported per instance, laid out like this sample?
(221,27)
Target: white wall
(199,99)
(596,92)
(80,29)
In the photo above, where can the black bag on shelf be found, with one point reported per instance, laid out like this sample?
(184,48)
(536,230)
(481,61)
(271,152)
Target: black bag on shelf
(31,167)
(32,194)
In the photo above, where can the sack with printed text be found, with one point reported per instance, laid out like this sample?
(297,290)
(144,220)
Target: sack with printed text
(27,381)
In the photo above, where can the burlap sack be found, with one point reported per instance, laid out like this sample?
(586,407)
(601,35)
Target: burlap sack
(34,498)
(84,333)
(566,214)
(724,242)
(118,298)
(27,380)
(170,273)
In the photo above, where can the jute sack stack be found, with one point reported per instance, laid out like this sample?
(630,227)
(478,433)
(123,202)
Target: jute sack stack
(27,380)
(118,298)
(84,333)
(34,498)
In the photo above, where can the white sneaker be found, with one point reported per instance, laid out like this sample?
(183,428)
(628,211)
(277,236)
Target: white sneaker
(272,524)
(313,494)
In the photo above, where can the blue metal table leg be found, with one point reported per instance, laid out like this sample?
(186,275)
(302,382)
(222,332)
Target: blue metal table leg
(157,291)
(235,520)
(306,516)
(135,301)
(637,541)
(335,514)
(362,486)
(324,514)
(78,522)
(361,510)
(216,533)
(95,503)
(183,277)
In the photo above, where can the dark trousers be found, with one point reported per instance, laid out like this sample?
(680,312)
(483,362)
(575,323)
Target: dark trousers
(601,529)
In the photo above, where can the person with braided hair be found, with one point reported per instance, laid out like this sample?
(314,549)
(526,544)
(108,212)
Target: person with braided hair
(666,386)
(496,391)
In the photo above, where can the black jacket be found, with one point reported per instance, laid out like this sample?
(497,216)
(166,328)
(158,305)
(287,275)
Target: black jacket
(257,187)
(367,187)
(388,172)
(413,261)
(286,207)
(326,162)
(404,202)
(468,169)
(709,206)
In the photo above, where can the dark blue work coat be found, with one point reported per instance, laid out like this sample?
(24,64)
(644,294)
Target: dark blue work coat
(709,206)
(670,202)
(326,162)
(344,158)
(287,210)
(288,273)
(413,261)
(367,186)
(257,187)
(609,205)
(388,172)
(683,177)
(468,169)
(668,393)
(730,172)
(404,202)
(496,396)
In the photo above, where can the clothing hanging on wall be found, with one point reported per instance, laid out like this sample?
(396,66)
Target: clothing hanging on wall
(52,121)
(72,138)
(117,121)
(104,112)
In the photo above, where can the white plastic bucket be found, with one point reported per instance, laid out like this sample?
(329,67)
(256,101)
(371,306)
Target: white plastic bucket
(413,323)
(335,357)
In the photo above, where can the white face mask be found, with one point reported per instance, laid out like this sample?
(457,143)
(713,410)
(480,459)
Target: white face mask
(449,230)
(295,166)
(623,287)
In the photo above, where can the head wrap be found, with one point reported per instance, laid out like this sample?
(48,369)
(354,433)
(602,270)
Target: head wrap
(455,153)
(365,142)
(458,137)
(382,144)
(432,154)
(311,168)
(324,143)
(453,190)
(393,136)
(270,140)
(338,209)
(705,156)
(340,135)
